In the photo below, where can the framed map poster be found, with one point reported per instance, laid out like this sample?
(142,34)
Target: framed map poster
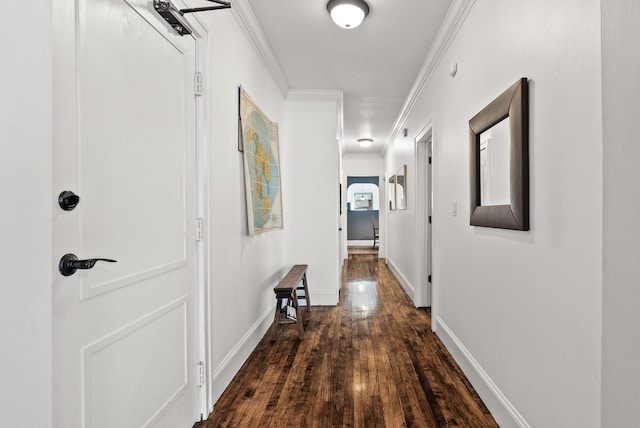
(259,137)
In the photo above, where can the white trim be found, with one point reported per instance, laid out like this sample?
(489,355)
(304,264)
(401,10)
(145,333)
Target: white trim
(363,156)
(426,131)
(314,95)
(500,407)
(230,365)
(406,284)
(203,247)
(251,27)
(89,290)
(327,298)
(233,361)
(452,22)
(365,243)
(422,192)
(340,130)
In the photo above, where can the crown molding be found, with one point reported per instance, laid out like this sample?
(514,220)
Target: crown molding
(452,23)
(314,95)
(248,22)
(362,156)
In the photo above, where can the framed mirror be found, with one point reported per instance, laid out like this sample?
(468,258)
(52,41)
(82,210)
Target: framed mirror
(401,188)
(392,192)
(499,161)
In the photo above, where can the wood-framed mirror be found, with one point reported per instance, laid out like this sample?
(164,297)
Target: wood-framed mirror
(401,188)
(499,170)
(392,192)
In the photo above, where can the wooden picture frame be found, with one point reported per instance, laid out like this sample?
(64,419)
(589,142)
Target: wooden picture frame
(401,188)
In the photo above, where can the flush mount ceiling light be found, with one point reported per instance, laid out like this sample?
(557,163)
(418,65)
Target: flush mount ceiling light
(365,142)
(348,13)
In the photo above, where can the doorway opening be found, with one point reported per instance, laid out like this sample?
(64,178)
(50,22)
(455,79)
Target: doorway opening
(363,215)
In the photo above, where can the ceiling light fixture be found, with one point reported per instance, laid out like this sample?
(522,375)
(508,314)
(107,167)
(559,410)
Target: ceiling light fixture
(348,13)
(365,142)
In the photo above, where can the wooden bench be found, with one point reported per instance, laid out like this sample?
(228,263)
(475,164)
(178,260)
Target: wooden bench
(287,291)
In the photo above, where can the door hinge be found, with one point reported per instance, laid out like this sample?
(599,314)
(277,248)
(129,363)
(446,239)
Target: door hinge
(429,219)
(197,87)
(201,373)
(199,229)
(429,279)
(429,160)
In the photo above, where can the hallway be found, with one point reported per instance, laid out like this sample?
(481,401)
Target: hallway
(372,361)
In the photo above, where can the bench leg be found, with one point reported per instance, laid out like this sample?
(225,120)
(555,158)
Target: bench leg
(298,315)
(274,327)
(306,292)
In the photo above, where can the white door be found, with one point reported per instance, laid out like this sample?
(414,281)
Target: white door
(125,340)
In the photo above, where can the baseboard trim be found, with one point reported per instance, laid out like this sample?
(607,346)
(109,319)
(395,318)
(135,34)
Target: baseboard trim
(230,365)
(500,407)
(324,299)
(406,284)
(360,243)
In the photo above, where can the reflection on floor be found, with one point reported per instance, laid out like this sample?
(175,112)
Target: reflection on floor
(361,296)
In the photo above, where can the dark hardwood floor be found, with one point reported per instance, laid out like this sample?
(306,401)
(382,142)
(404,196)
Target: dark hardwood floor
(371,361)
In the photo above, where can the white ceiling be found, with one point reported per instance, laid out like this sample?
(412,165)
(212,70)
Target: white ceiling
(375,64)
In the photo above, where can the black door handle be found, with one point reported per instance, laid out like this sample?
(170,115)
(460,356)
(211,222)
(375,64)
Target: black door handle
(69,264)
(68,200)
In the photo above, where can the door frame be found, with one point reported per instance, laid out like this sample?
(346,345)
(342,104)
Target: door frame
(203,210)
(203,246)
(362,242)
(424,207)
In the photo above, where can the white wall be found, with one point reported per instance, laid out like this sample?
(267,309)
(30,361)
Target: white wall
(521,311)
(25,216)
(366,165)
(401,245)
(310,177)
(621,270)
(243,269)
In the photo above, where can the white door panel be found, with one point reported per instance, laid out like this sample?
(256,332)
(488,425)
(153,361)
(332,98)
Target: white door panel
(107,383)
(125,334)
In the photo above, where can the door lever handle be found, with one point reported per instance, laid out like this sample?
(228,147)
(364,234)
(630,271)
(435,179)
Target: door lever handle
(69,264)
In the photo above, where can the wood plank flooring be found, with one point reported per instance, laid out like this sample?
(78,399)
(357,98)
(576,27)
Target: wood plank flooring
(371,361)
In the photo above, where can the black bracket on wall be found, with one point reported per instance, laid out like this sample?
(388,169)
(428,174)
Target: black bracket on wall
(174,16)
(223,5)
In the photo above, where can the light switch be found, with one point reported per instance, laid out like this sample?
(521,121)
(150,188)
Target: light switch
(454,210)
